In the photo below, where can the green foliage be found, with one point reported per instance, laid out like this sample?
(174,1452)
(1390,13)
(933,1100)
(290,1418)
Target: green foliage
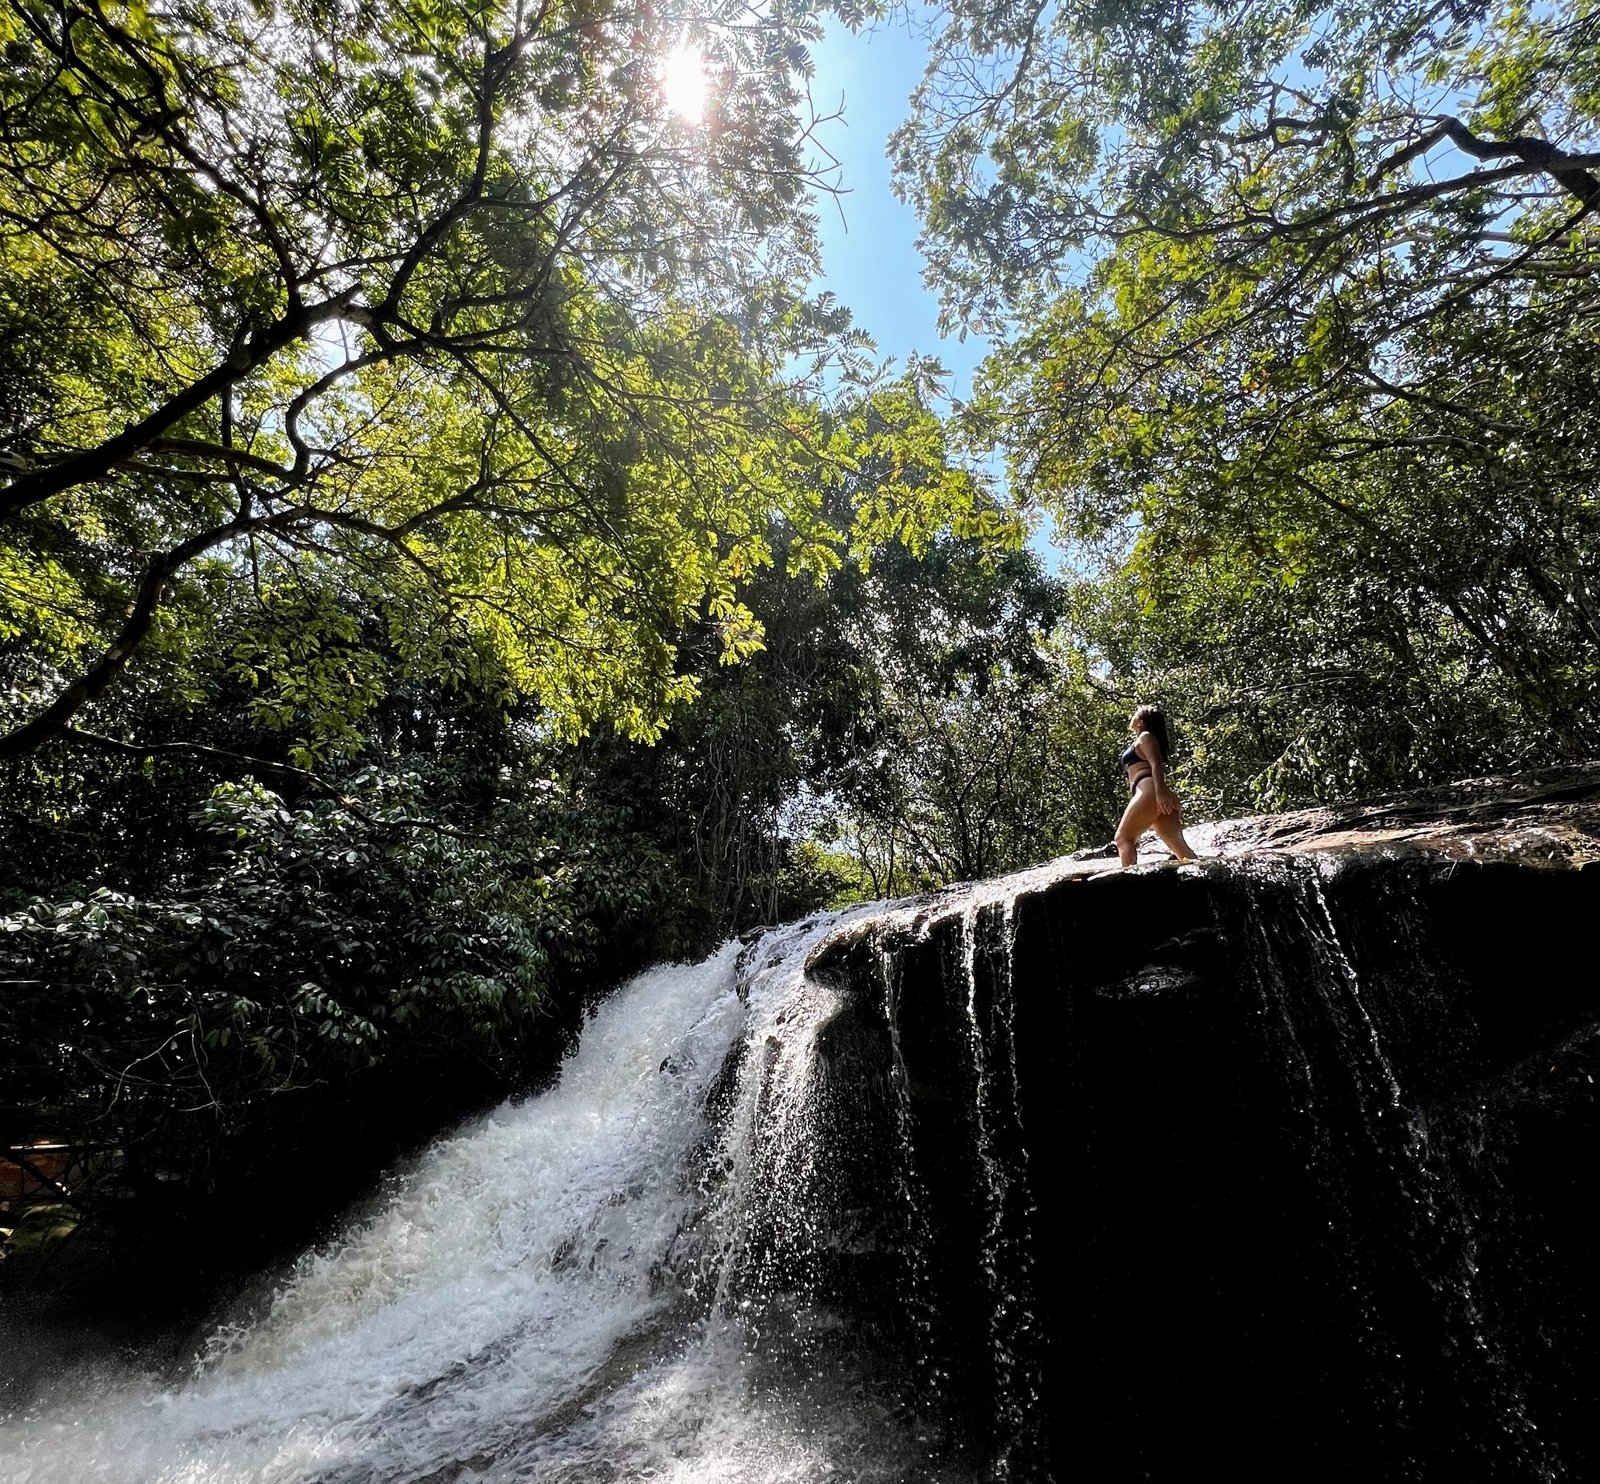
(1257,160)
(752,787)
(908,722)
(1302,311)
(951,775)
(1284,696)
(303,948)
(442,314)
(197,974)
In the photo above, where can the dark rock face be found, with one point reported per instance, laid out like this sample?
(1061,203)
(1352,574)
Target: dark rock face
(1277,1165)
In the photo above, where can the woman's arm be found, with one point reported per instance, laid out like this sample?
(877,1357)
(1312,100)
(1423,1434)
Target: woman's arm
(1150,751)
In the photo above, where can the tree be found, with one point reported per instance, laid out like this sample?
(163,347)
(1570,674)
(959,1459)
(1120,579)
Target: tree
(1274,152)
(1000,720)
(774,749)
(1304,323)
(444,311)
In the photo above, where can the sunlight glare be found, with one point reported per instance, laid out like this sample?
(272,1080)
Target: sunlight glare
(684,83)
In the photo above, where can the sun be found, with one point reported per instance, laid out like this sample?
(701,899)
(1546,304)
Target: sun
(684,83)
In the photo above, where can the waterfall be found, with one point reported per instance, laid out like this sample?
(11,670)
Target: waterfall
(573,1288)
(1060,1175)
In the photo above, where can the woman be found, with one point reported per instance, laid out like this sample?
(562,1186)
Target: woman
(1151,802)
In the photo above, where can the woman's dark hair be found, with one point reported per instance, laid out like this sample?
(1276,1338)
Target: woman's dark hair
(1155,722)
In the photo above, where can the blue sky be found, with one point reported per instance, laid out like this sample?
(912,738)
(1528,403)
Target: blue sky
(870,257)
(869,251)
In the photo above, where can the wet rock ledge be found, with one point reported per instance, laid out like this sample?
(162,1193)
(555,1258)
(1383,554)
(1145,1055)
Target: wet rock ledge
(1283,1159)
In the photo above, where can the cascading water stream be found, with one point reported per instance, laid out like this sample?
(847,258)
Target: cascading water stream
(1433,1207)
(515,1256)
(1000,1146)
(549,1293)
(1046,1177)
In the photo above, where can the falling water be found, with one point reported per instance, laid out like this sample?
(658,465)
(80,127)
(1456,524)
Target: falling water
(548,1295)
(1041,1177)
(1377,1168)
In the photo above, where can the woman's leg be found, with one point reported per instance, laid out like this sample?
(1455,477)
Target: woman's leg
(1140,814)
(1169,830)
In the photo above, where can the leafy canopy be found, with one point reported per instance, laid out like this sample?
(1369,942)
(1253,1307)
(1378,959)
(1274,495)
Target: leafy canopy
(1299,307)
(424,306)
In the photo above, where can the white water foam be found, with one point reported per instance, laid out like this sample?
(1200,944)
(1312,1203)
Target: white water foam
(515,1310)
(517,1255)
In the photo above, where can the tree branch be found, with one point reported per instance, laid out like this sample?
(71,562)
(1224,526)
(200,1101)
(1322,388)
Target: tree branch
(147,599)
(95,463)
(1566,170)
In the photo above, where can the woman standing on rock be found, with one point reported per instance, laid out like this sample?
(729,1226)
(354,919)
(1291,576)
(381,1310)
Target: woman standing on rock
(1151,801)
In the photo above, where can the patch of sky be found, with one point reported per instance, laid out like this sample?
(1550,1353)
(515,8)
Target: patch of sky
(870,257)
(871,262)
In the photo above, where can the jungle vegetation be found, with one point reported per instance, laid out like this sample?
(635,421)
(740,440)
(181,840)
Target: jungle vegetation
(1298,313)
(451,553)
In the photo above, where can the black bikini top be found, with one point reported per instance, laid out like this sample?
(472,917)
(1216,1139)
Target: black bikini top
(1133,758)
